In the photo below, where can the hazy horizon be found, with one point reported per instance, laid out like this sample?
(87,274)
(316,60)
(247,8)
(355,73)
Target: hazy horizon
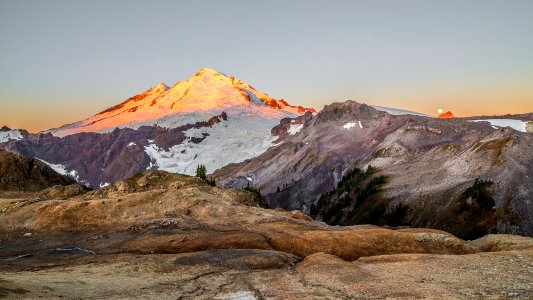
(64,61)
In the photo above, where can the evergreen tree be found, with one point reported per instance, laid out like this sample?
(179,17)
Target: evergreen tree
(201,172)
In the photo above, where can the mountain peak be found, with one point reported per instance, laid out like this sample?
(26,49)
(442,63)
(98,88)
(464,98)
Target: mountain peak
(209,72)
(160,87)
(348,110)
(446,115)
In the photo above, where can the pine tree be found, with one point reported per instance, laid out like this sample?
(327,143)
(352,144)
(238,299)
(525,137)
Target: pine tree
(201,172)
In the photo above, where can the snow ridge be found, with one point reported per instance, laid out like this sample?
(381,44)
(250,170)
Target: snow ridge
(10,135)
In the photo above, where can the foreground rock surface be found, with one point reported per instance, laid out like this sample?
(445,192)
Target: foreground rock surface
(161,235)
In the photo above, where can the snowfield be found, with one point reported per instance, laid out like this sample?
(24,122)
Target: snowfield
(10,135)
(235,140)
(515,124)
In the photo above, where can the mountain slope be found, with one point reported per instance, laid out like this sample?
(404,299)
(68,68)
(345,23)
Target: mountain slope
(430,163)
(19,173)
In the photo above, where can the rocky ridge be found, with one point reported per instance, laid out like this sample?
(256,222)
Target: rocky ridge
(429,164)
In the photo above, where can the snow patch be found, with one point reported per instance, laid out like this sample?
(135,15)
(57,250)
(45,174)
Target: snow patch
(515,124)
(352,124)
(348,125)
(132,144)
(61,169)
(104,184)
(10,135)
(151,164)
(294,129)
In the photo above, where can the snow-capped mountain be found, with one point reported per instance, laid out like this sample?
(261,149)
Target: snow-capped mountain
(206,94)
(7,134)
(208,119)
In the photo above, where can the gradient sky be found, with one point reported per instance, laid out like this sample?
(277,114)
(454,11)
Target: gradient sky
(62,61)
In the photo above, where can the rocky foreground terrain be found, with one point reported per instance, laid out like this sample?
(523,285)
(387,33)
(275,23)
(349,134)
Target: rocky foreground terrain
(162,235)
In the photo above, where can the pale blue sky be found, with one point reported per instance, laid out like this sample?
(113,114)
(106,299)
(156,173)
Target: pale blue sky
(61,61)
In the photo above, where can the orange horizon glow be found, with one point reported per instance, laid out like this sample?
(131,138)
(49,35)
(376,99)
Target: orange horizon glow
(47,116)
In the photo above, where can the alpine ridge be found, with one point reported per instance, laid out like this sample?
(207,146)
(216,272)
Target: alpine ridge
(431,169)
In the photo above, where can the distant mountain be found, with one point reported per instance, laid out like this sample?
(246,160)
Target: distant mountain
(430,165)
(446,115)
(19,173)
(398,111)
(526,117)
(208,119)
